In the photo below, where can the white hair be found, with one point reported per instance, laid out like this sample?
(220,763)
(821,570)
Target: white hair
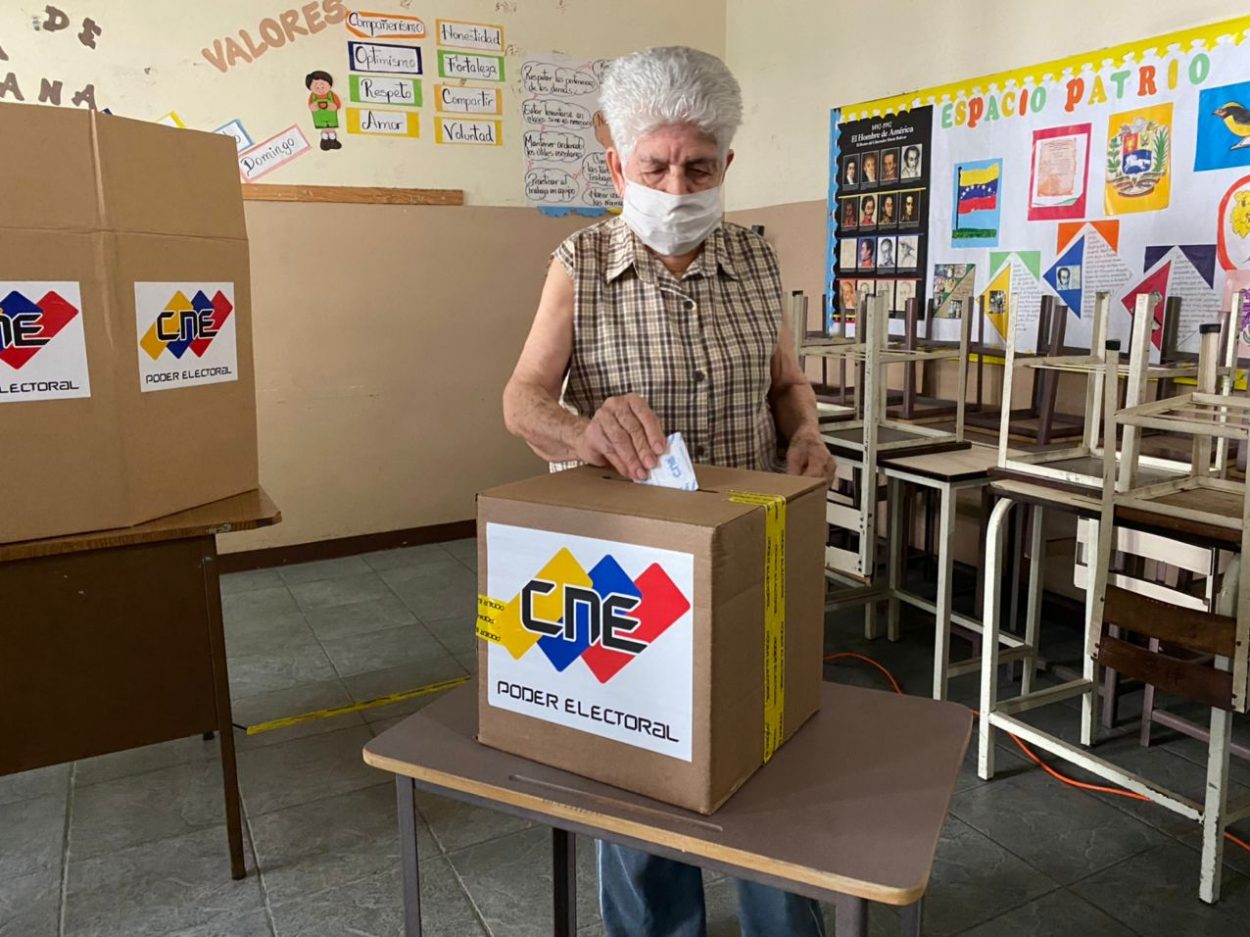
(646,90)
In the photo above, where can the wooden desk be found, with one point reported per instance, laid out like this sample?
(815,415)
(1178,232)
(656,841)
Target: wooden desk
(848,811)
(947,473)
(113,639)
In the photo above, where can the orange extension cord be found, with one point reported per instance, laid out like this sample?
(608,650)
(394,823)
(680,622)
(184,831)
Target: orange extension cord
(1119,792)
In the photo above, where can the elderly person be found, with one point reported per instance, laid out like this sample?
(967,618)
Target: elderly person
(668,319)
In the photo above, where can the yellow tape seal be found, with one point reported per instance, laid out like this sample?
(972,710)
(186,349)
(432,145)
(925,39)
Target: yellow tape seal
(774,613)
(488,612)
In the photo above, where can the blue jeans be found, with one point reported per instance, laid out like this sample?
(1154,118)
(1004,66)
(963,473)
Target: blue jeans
(644,896)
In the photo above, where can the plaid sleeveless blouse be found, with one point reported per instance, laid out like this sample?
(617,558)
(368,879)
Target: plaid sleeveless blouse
(698,349)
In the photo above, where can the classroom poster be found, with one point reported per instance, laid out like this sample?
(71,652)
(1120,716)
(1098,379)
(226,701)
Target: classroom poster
(1100,172)
(879,208)
(564,136)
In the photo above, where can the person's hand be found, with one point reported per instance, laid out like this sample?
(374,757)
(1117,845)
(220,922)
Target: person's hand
(625,434)
(808,455)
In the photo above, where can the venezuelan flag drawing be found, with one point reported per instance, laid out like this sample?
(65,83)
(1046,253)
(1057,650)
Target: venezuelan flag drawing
(978,189)
(977,203)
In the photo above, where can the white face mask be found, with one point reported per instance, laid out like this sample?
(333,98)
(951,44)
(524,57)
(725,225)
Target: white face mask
(670,224)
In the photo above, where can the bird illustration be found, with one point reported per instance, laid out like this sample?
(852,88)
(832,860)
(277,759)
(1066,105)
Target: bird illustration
(1237,119)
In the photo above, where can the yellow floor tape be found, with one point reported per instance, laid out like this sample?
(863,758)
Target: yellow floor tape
(355,707)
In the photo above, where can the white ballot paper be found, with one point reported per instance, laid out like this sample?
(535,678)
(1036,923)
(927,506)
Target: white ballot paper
(675,470)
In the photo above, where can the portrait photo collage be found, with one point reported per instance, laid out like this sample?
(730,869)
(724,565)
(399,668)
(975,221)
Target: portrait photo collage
(882,211)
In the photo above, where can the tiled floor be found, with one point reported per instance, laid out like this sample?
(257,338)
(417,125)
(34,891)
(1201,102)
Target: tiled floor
(133,845)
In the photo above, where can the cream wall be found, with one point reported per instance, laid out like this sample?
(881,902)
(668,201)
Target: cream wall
(148,62)
(805,57)
(378,380)
(378,394)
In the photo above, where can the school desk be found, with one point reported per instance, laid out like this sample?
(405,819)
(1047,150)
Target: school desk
(946,473)
(113,640)
(848,811)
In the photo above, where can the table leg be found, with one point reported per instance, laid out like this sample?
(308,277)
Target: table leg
(897,561)
(404,791)
(987,504)
(912,915)
(1110,689)
(221,692)
(1089,667)
(1017,567)
(1033,610)
(945,573)
(851,917)
(991,623)
(1216,802)
(564,888)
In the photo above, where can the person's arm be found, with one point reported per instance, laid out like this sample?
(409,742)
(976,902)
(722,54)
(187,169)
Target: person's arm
(623,433)
(794,408)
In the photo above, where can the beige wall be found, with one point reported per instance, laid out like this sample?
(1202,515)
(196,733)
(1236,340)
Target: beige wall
(802,58)
(148,62)
(379,380)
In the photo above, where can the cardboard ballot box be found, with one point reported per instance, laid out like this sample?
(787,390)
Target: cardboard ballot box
(659,640)
(126,385)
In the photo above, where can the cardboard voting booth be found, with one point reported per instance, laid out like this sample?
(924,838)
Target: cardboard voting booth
(126,382)
(664,641)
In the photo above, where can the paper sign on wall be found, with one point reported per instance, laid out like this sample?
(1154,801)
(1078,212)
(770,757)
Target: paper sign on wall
(1059,172)
(640,693)
(186,334)
(268,155)
(1152,138)
(457,99)
(1014,296)
(565,136)
(385,90)
(384,57)
(482,37)
(235,129)
(365,120)
(1233,226)
(469,66)
(384,25)
(1139,160)
(468,132)
(43,349)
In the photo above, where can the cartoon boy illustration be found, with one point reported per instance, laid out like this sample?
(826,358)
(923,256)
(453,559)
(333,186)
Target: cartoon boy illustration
(325,105)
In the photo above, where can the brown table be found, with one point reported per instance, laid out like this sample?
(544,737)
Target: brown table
(849,811)
(113,639)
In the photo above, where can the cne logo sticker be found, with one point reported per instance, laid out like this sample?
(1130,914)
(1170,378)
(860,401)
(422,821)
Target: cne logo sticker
(598,637)
(602,617)
(43,351)
(186,334)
